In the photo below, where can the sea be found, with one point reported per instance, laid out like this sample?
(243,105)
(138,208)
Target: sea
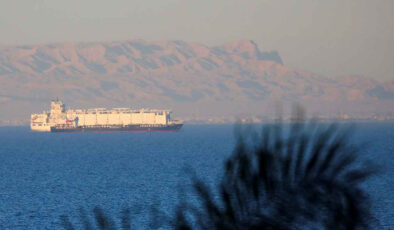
(47,175)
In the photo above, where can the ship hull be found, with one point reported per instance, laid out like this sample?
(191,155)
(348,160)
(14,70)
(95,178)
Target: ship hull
(127,128)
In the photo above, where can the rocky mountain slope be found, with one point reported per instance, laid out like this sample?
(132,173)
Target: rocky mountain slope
(192,79)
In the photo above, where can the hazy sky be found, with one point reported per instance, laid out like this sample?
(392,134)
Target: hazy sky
(331,37)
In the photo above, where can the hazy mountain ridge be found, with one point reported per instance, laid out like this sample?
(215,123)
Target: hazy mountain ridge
(123,57)
(193,79)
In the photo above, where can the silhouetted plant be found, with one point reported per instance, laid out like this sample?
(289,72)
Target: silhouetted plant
(297,176)
(301,176)
(102,221)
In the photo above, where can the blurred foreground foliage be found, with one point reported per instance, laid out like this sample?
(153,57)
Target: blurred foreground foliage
(303,175)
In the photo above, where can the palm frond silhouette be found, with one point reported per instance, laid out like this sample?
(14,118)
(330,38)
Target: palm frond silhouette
(302,176)
(298,176)
(101,221)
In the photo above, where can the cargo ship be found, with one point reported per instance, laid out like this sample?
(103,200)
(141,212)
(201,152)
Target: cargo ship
(58,119)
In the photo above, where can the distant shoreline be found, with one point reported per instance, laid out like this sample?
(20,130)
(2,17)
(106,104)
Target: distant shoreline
(257,123)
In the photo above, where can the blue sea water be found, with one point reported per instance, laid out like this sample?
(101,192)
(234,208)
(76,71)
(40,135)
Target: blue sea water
(45,175)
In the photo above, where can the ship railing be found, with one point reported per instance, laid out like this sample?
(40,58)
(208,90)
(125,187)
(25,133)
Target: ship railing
(65,126)
(117,111)
(103,126)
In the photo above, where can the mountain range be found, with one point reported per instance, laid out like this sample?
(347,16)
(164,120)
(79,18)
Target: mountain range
(192,79)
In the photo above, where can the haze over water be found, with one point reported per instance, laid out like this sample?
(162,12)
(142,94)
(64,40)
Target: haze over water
(45,175)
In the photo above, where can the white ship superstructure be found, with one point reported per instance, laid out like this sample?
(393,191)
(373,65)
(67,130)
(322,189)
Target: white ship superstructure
(100,119)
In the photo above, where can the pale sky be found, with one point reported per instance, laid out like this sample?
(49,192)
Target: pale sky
(329,37)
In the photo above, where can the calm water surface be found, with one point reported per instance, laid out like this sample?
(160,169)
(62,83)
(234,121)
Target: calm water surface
(45,175)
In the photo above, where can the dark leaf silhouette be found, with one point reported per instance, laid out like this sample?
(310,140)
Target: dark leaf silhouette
(302,175)
(298,176)
(103,221)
